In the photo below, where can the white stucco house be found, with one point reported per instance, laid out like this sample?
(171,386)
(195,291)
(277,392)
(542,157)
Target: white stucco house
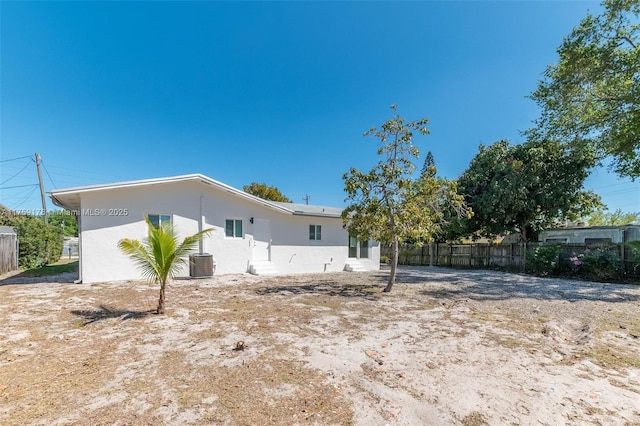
(250,234)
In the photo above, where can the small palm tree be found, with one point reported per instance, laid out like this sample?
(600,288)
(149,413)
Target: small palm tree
(160,256)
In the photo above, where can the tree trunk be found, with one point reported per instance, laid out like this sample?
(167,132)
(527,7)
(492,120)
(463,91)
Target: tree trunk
(161,300)
(523,233)
(394,266)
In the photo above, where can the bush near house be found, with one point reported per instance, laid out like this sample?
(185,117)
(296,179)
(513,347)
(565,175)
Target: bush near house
(543,260)
(39,243)
(600,264)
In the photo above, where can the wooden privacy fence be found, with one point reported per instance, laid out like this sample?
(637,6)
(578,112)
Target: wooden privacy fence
(8,253)
(461,255)
(507,256)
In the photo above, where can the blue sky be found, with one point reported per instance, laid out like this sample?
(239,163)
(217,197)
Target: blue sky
(275,92)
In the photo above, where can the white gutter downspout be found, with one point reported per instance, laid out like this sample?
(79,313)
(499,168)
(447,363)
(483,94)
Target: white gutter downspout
(201,227)
(80,231)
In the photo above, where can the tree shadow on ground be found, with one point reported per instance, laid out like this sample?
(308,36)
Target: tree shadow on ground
(326,287)
(494,285)
(104,312)
(24,278)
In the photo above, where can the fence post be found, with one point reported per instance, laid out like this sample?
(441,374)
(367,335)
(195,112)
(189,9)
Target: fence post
(488,257)
(450,255)
(471,256)
(437,253)
(430,254)
(622,256)
(511,254)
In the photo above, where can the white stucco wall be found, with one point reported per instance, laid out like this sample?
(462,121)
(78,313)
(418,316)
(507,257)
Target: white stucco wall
(104,223)
(618,234)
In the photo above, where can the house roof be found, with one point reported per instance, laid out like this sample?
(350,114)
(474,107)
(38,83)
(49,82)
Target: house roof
(69,198)
(307,210)
(591,228)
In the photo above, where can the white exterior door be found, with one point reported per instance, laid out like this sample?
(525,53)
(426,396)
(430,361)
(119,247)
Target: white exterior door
(261,239)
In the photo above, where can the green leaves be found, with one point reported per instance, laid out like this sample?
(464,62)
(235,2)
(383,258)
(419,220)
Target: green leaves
(265,192)
(601,217)
(39,243)
(387,204)
(161,255)
(523,188)
(593,93)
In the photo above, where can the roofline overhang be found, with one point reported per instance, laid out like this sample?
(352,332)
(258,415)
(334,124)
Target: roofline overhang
(57,193)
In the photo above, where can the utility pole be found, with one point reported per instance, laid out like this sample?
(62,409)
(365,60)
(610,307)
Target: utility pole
(44,202)
(306,198)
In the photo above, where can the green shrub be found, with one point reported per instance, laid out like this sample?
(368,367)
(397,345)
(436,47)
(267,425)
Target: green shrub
(601,264)
(384,259)
(404,257)
(543,260)
(39,244)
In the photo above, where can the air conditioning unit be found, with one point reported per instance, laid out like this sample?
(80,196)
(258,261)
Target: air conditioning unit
(201,265)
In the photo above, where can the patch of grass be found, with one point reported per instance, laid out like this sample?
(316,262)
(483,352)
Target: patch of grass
(621,324)
(542,318)
(54,269)
(474,419)
(509,342)
(615,358)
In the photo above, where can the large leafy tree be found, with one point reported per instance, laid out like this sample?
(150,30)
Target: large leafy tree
(265,192)
(593,92)
(386,203)
(65,221)
(524,188)
(604,217)
(161,256)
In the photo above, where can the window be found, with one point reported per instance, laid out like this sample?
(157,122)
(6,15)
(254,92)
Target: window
(364,249)
(358,249)
(233,228)
(590,241)
(353,246)
(158,220)
(315,232)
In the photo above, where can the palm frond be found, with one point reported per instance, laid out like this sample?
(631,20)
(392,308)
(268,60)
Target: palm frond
(160,256)
(140,254)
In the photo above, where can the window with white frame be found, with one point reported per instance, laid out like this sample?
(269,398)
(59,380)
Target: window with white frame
(157,220)
(315,232)
(233,228)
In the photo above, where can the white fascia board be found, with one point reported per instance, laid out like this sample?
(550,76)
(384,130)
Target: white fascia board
(61,193)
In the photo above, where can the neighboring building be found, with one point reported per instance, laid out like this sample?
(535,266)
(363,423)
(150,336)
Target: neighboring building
(250,234)
(591,234)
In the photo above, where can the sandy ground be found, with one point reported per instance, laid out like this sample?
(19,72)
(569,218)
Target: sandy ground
(445,347)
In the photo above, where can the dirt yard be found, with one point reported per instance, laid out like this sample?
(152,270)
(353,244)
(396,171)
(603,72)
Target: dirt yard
(445,347)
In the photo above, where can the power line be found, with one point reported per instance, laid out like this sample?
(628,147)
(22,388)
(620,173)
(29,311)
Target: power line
(20,186)
(24,200)
(613,184)
(21,170)
(17,158)
(87,172)
(622,191)
(47,171)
